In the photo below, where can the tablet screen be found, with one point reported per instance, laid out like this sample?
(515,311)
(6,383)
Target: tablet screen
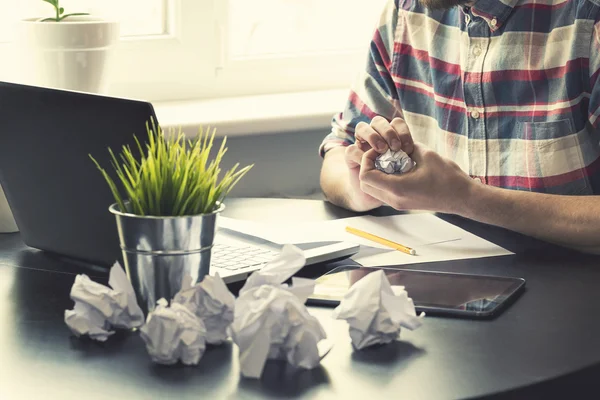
(429,290)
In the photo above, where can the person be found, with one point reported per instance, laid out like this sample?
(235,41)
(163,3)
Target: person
(497,103)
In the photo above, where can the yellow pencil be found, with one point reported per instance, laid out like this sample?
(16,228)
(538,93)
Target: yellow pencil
(380,240)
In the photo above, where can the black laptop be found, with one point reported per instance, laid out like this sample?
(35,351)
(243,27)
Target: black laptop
(58,197)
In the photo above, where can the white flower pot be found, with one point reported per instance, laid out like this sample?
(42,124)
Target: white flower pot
(7,222)
(73,54)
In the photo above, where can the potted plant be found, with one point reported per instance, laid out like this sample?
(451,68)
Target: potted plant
(66,50)
(168,194)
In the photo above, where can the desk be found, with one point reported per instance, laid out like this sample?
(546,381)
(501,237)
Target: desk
(546,344)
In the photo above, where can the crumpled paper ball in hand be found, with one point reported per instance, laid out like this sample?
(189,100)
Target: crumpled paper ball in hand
(210,301)
(376,311)
(271,320)
(394,162)
(98,308)
(174,334)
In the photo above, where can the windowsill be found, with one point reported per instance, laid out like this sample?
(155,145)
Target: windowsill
(254,115)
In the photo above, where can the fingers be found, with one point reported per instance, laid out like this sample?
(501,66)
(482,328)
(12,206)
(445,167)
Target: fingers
(362,145)
(387,131)
(404,134)
(353,155)
(367,161)
(365,133)
(382,135)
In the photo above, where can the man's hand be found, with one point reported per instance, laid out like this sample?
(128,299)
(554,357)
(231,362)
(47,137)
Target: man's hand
(435,184)
(438,184)
(382,135)
(379,136)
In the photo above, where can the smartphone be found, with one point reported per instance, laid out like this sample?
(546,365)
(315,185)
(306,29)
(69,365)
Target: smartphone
(435,293)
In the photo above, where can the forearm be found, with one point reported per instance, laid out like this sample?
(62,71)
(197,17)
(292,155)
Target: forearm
(335,178)
(572,221)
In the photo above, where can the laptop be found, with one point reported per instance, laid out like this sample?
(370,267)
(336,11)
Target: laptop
(60,200)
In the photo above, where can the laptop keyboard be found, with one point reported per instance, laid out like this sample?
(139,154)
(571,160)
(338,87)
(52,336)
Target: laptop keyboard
(231,258)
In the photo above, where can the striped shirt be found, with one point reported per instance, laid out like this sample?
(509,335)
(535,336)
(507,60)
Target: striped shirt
(506,89)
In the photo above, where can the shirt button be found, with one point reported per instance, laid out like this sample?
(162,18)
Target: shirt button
(494,22)
(477,179)
(475,114)
(476,51)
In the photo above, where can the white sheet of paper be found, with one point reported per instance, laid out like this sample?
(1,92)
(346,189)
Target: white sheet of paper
(409,229)
(469,246)
(433,238)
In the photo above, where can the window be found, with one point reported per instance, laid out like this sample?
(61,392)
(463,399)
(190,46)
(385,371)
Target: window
(262,28)
(192,49)
(140,61)
(138,17)
(295,45)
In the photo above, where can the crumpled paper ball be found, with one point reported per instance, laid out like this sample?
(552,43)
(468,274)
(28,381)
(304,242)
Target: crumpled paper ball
(212,302)
(174,334)
(271,320)
(272,323)
(376,311)
(394,162)
(98,308)
(86,320)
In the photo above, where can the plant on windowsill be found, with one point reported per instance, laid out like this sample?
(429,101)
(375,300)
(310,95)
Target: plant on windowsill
(59,12)
(66,51)
(168,194)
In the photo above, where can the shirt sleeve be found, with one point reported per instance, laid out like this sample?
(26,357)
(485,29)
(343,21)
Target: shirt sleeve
(373,93)
(594,68)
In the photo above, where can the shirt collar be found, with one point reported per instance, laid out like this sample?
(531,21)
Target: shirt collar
(494,12)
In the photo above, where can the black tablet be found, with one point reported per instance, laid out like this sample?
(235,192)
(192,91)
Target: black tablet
(435,293)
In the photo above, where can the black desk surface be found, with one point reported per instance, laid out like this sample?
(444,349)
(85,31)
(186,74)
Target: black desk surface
(546,345)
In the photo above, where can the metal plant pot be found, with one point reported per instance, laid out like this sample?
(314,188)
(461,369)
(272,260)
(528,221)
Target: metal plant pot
(159,252)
